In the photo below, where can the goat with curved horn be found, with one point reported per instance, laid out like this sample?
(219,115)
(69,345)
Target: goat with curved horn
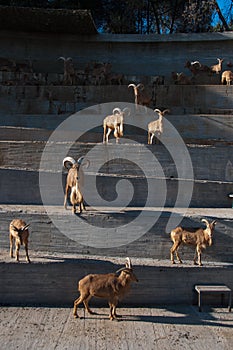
(75,175)
(141,97)
(109,286)
(198,237)
(156,127)
(114,122)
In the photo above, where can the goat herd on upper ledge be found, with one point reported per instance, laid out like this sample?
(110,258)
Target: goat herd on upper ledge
(100,73)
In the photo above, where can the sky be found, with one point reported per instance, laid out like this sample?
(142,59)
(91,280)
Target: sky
(224,6)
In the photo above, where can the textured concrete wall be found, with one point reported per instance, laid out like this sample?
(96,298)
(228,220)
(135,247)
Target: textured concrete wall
(55,283)
(212,168)
(155,244)
(208,99)
(130,54)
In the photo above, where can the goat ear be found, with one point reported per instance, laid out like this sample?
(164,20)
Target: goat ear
(14,228)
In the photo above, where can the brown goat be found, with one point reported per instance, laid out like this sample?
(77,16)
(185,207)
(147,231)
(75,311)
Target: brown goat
(69,74)
(109,286)
(74,172)
(227,77)
(141,97)
(76,198)
(197,237)
(115,123)
(18,233)
(156,127)
(196,67)
(217,67)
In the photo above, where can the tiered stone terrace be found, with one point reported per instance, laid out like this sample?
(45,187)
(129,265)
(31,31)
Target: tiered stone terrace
(202,115)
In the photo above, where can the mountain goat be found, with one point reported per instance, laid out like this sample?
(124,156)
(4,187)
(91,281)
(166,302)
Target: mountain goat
(199,238)
(75,172)
(109,286)
(114,122)
(156,126)
(18,233)
(141,97)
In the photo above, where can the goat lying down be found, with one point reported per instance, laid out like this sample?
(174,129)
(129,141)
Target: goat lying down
(200,238)
(110,286)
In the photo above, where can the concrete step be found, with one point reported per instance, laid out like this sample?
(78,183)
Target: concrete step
(55,230)
(193,128)
(209,163)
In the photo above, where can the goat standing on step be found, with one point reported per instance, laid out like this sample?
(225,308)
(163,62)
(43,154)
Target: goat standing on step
(18,233)
(217,67)
(156,127)
(115,123)
(69,71)
(141,97)
(227,77)
(74,172)
(197,237)
(108,286)
(76,198)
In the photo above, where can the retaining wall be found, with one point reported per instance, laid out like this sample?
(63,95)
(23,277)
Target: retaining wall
(186,99)
(55,283)
(129,54)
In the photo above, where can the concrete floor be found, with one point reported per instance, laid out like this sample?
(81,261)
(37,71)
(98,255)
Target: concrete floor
(164,328)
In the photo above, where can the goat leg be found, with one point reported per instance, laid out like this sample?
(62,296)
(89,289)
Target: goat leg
(65,198)
(174,249)
(11,246)
(85,302)
(17,247)
(199,256)
(26,251)
(74,209)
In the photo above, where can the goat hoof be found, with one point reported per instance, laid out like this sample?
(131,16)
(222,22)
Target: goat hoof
(92,312)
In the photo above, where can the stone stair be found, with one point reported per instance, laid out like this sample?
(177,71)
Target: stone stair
(202,115)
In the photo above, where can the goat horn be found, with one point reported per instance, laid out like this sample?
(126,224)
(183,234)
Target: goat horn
(157,110)
(128,263)
(166,111)
(62,58)
(140,85)
(214,222)
(80,160)
(118,110)
(68,160)
(124,269)
(85,164)
(126,110)
(133,85)
(121,269)
(205,221)
(25,227)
